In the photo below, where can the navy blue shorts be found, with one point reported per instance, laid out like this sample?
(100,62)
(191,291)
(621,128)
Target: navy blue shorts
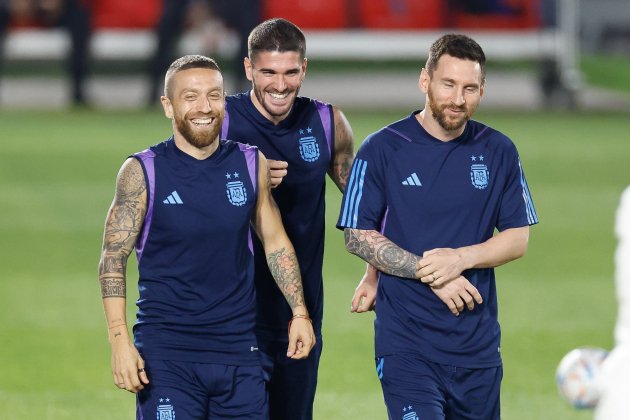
(291,384)
(200,391)
(416,389)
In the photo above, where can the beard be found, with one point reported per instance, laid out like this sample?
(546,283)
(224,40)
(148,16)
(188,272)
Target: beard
(199,137)
(440,116)
(260,95)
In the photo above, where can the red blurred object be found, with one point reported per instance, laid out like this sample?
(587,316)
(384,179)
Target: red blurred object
(309,14)
(400,14)
(126,13)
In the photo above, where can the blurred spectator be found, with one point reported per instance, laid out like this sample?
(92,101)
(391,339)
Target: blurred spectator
(73,15)
(239,15)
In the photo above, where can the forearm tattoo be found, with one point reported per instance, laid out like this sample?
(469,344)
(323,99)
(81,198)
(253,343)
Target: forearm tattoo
(341,169)
(122,227)
(286,271)
(344,152)
(381,253)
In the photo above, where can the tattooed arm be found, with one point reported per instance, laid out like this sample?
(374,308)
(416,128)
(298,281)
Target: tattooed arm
(387,257)
(122,226)
(344,150)
(282,263)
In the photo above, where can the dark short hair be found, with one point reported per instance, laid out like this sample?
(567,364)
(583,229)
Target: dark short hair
(458,46)
(188,62)
(276,34)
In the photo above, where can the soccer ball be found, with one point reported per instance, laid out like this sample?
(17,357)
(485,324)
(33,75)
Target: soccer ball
(576,376)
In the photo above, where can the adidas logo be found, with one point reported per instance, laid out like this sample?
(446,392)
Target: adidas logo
(173,198)
(412,180)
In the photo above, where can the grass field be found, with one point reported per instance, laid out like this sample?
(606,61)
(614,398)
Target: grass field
(57,172)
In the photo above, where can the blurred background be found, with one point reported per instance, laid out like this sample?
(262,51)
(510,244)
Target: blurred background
(112,53)
(79,86)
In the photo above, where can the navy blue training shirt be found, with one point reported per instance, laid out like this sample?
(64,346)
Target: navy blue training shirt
(423,193)
(305,139)
(195,262)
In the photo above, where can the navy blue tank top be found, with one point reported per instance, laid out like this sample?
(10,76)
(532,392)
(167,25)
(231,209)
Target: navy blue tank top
(195,256)
(305,139)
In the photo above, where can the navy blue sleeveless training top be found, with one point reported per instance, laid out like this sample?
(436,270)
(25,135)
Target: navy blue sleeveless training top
(195,261)
(305,139)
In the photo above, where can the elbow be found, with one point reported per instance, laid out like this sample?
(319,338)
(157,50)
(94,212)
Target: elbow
(522,247)
(347,236)
(350,238)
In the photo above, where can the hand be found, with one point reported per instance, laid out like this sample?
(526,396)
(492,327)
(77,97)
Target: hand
(127,366)
(277,171)
(439,266)
(457,294)
(364,298)
(301,338)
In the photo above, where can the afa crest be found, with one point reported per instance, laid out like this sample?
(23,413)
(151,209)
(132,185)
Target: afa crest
(236,193)
(165,411)
(479,176)
(309,149)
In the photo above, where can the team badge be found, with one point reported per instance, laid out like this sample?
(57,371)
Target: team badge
(309,149)
(236,193)
(165,411)
(479,174)
(409,413)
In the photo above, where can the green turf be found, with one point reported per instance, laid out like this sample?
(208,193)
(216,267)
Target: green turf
(57,172)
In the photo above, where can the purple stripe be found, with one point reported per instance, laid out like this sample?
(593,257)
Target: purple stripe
(480,133)
(146,157)
(250,153)
(324,115)
(225,126)
(398,133)
(384,221)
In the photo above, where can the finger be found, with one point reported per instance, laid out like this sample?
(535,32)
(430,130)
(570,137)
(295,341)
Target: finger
(368,304)
(430,252)
(472,290)
(469,301)
(277,164)
(278,173)
(459,303)
(292,347)
(356,301)
(453,308)
(142,374)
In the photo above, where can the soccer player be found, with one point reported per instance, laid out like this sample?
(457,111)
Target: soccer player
(304,140)
(425,196)
(187,205)
(615,376)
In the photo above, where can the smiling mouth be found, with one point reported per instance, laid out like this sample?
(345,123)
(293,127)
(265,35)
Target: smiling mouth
(278,96)
(202,122)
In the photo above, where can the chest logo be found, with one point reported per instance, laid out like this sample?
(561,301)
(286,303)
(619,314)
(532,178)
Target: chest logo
(479,174)
(236,193)
(309,149)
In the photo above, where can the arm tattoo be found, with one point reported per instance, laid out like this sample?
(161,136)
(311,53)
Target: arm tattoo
(122,227)
(381,253)
(344,153)
(285,270)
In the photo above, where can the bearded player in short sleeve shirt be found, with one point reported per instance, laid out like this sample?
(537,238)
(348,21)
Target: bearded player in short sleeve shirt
(424,198)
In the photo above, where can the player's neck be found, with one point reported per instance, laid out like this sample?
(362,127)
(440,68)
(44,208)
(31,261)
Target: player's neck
(199,153)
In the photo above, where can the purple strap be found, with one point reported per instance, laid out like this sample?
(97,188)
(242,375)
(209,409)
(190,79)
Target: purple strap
(146,158)
(325,115)
(251,156)
(226,124)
